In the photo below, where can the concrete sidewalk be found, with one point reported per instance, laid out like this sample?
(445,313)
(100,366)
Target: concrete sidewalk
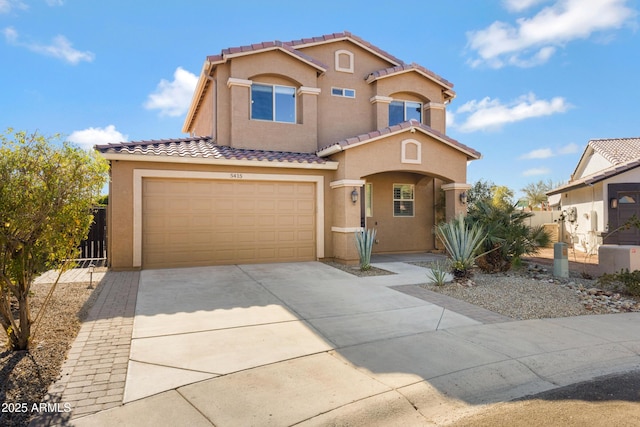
(306,344)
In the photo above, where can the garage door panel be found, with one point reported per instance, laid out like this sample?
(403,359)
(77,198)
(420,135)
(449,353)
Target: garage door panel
(208,222)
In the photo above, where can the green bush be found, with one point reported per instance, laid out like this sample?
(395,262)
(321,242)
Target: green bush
(462,242)
(364,244)
(508,237)
(625,281)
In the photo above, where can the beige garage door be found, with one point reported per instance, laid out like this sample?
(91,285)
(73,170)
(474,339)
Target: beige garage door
(191,222)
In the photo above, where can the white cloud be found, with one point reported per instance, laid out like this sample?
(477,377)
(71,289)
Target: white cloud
(488,113)
(173,98)
(60,47)
(545,153)
(542,153)
(569,149)
(53,3)
(89,137)
(532,41)
(520,5)
(7,5)
(536,171)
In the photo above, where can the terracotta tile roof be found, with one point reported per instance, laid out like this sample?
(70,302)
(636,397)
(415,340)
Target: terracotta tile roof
(346,143)
(598,176)
(256,47)
(294,45)
(204,147)
(408,67)
(341,36)
(617,150)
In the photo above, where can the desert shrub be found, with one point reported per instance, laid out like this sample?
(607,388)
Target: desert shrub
(508,237)
(626,281)
(462,242)
(364,244)
(438,271)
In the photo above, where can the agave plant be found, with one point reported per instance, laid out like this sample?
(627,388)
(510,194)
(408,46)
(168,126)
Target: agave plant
(364,244)
(462,243)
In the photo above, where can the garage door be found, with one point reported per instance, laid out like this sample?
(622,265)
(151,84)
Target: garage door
(207,222)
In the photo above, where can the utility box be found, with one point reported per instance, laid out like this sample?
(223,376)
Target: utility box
(560,260)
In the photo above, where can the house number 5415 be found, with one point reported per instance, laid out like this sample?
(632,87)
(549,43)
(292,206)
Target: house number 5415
(236,176)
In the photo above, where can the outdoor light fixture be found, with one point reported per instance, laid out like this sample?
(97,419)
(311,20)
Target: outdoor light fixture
(354,195)
(613,203)
(463,198)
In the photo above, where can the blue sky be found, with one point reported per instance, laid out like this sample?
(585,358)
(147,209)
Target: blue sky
(535,79)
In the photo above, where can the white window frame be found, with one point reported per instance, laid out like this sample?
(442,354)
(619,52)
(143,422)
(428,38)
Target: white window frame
(368,200)
(412,200)
(404,108)
(343,92)
(273,100)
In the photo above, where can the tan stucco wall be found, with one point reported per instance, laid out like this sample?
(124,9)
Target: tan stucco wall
(402,234)
(438,159)
(322,119)
(120,232)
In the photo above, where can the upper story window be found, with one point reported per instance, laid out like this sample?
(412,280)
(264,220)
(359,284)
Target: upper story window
(273,102)
(347,93)
(401,111)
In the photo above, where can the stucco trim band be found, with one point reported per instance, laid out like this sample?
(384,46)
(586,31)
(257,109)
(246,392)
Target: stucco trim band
(139,174)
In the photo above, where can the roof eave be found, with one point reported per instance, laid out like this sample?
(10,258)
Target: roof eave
(328,165)
(197,96)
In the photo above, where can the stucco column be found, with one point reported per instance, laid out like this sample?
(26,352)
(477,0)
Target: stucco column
(239,104)
(381,104)
(453,202)
(435,116)
(345,219)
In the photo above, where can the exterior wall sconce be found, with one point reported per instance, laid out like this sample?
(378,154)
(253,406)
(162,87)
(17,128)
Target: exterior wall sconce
(463,197)
(613,203)
(354,195)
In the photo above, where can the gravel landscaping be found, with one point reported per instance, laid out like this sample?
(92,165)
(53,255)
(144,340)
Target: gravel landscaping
(25,376)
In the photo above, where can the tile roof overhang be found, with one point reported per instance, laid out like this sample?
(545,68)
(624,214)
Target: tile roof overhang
(414,68)
(615,150)
(408,126)
(203,150)
(597,177)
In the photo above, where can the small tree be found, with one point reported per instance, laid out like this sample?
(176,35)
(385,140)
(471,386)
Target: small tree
(46,194)
(536,194)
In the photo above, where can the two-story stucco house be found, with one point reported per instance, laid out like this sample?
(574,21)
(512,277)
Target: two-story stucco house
(293,147)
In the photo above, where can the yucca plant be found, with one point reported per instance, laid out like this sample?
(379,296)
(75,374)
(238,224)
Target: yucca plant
(364,244)
(462,243)
(438,272)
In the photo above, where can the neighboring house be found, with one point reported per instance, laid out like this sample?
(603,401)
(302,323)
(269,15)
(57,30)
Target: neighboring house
(294,146)
(602,194)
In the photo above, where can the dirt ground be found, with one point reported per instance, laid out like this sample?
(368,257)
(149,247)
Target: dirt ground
(612,400)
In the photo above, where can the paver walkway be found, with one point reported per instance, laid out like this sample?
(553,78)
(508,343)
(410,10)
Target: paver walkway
(93,376)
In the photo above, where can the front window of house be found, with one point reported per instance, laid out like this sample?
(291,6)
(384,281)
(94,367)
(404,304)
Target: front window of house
(401,111)
(403,199)
(273,102)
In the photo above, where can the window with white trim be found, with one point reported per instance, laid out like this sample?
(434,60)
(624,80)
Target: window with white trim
(402,111)
(368,199)
(339,91)
(403,199)
(273,102)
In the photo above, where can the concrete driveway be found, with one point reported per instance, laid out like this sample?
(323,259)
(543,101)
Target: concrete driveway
(307,344)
